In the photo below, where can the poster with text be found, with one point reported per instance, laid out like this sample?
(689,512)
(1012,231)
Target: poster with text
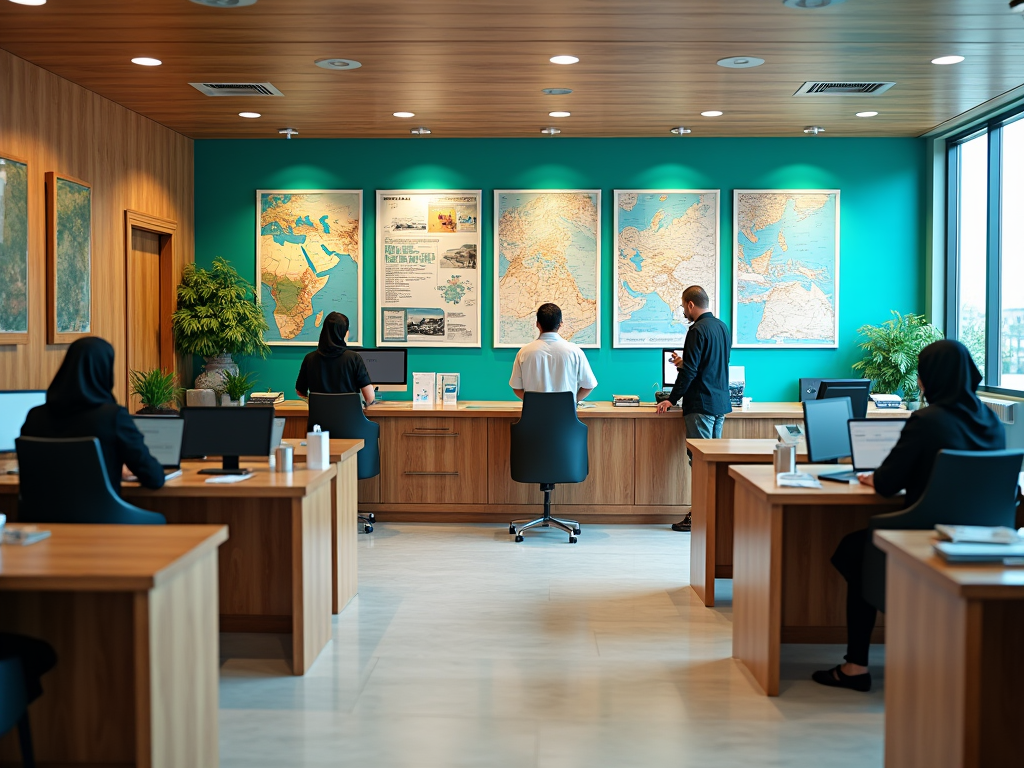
(428,268)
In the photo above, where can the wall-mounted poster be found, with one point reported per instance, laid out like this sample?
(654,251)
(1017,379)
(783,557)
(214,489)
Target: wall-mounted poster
(428,268)
(666,241)
(68,259)
(309,261)
(785,268)
(547,248)
(13,251)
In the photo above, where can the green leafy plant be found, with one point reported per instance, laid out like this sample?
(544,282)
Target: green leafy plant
(238,385)
(891,351)
(217,313)
(156,389)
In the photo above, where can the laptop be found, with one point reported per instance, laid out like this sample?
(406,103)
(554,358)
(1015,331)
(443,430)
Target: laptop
(163,439)
(871,441)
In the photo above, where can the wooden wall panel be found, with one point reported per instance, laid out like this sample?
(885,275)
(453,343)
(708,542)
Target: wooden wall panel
(131,163)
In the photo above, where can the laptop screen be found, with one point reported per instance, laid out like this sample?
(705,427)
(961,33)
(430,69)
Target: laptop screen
(163,438)
(871,440)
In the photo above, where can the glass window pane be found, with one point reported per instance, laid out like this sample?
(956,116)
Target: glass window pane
(1011,342)
(972,240)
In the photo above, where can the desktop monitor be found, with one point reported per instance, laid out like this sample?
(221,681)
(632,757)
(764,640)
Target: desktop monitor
(669,370)
(855,389)
(14,408)
(388,368)
(825,429)
(162,435)
(227,432)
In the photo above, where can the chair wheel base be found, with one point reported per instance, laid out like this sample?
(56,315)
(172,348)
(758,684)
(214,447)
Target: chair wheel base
(577,530)
(367,529)
(371,517)
(572,539)
(512,530)
(519,538)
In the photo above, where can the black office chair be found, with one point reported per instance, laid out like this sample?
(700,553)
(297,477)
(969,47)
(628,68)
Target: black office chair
(343,417)
(64,480)
(965,488)
(549,446)
(14,707)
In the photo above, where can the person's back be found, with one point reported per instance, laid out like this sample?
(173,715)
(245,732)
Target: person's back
(550,363)
(332,368)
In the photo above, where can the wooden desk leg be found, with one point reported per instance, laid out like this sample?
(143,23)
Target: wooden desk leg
(311,577)
(345,528)
(757,588)
(702,530)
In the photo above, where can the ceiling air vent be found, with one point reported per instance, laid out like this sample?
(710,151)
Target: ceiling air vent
(816,89)
(237,89)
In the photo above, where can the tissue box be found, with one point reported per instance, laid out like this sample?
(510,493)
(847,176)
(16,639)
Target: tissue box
(318,450)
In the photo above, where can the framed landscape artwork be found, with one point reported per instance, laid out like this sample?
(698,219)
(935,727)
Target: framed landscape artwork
(13,251)
(68,259)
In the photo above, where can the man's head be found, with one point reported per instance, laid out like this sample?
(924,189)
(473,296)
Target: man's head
(549,318)
(695,302)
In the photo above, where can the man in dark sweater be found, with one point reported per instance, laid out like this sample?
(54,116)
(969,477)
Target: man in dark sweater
(703,379)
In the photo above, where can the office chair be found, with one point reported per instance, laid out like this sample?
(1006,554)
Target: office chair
(64,480)
(965,488)
(549,446)
(343,417)
(14,707)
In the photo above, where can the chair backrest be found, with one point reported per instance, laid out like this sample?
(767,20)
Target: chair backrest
(64,480)
(549,442)
(343,417)
(13,699)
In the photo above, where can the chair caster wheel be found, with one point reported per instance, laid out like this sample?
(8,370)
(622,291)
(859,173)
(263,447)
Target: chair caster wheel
(512,530)
(519,538)
(367,529)
(572,539)
(371,517)
(577,530)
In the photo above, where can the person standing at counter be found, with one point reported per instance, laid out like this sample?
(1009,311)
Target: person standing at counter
(332,368)
(703,379)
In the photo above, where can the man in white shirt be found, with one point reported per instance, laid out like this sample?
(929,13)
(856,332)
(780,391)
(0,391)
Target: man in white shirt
(551,364)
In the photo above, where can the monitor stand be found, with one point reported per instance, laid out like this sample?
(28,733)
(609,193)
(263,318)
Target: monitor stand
(229,466)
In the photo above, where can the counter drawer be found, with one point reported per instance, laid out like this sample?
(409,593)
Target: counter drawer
(433,460)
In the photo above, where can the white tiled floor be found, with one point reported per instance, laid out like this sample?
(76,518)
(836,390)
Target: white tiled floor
(465,649)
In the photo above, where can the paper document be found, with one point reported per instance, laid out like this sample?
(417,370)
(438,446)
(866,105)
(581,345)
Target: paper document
(796,480)
(228,478)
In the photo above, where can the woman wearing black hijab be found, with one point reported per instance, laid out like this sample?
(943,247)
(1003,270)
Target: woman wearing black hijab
(332,368)
(955,419)
(80,403)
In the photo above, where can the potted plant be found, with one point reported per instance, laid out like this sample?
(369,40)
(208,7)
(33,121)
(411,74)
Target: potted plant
(217,317)
(235,387)
(156,389)
(891,351)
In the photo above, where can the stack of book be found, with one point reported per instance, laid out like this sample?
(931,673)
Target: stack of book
(979,544)
(266,398)
(626,400)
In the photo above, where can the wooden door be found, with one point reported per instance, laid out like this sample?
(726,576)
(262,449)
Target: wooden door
(143,308)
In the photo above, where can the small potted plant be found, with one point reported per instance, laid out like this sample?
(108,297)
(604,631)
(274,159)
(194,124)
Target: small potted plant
(235,387)
(890,354)
(156,390)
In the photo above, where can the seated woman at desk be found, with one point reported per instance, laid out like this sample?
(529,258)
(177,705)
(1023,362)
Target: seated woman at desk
(80,403)
(954,419)
(332,368)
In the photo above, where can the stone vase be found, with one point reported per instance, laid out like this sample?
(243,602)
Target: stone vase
(214,369)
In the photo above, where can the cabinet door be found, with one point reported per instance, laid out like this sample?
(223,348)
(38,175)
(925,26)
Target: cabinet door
(756,429)
(662,469)
(428,460)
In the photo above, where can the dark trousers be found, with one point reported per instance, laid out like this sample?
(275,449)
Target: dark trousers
(37,658)
(860,614)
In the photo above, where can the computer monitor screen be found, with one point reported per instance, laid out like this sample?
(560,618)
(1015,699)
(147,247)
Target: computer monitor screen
(855,389)
(669,370)
(871,440)
(388,368)
(14,407)
(163,437)
(227,432)
(825,430)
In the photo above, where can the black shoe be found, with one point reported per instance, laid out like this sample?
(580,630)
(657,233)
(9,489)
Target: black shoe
(835,678)
(683,526)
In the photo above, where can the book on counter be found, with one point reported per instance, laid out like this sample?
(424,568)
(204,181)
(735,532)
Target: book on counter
(626,401)
(887,402)
(979,534)
(265,398)
(968,552)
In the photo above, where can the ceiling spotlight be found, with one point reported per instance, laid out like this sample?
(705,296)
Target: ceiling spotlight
(551,131)
(680,131)
(420,131)
(740,62)
(286,132)
(224,3)
(251,115)
(404,114)
(564,59)
(866,114)
(811,4)
(29,2)
(146,61)
(814,130)
(337,64)
(943,60)
(558,114)
(567,91)
(712,113)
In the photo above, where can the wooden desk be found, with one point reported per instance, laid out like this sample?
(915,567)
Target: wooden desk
(785,590)
(275,571)
(952,662)
(132,614)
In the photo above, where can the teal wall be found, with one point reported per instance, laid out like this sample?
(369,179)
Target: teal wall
(882,261)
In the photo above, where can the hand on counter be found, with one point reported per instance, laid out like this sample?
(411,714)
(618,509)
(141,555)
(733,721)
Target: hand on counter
(663,406)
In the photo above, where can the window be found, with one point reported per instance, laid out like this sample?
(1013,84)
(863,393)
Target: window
(1011,342)
(971,247)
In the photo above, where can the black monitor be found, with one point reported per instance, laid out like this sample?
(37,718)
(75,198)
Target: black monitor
(855,389)
(826,430)
(228,432)
(388,368)
(14,408)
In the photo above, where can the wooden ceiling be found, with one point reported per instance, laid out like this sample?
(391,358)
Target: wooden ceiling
(475,68)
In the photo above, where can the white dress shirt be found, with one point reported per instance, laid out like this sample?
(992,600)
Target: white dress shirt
(552,364)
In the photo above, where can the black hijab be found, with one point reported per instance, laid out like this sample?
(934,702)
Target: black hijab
(951,379)
(332,335)
(85,379)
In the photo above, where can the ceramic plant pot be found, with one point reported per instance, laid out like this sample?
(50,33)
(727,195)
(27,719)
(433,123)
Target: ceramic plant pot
(214,369)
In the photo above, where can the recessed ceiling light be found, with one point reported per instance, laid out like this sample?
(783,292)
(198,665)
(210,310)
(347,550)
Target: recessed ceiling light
(943,60)
(146,61)
(740,62)
(712,113)
(421,131)
(288,132)
(29,2)
(866,114)
(224,3)
(680,131)
(567,91)
(337,64)
(558,114)
(814,130)
(404,114)
(564,59)
(252,115)
(811,4)
(551,131)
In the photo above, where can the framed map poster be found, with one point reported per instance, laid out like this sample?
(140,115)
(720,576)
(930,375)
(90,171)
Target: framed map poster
(68,259)
(666,241)
(309,262)
(428,268)
(13,251)
(785,268)
(547,248)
